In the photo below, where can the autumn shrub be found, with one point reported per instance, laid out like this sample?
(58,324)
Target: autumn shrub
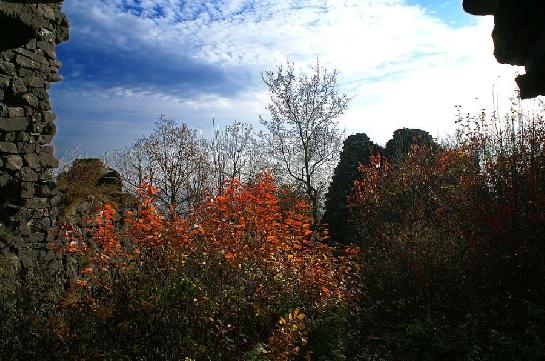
(240,278)
(452,245)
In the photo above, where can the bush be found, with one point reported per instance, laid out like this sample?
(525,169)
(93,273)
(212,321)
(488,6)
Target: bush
(452,243)
(242,277)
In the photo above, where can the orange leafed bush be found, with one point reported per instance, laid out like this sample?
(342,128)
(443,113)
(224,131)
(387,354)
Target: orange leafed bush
(246,260)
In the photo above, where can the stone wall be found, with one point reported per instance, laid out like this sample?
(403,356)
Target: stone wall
(30,31)
(519,38)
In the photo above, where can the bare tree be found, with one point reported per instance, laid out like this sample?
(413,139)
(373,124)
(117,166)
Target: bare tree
(303,133)
(236,151)
(229,152)
(134,164)
(173,159)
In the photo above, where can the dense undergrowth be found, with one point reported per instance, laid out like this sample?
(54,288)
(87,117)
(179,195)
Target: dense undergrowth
(448,264)
(453,245)
(244,277)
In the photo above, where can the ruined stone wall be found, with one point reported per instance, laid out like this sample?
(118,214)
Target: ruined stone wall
(519,38)
(29,32)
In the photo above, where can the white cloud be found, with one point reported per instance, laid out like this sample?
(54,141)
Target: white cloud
(404,66)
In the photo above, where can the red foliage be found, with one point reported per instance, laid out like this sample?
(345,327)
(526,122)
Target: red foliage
(244,229)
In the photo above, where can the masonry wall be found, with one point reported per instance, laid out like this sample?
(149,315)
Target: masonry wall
(29,33)
(519,38)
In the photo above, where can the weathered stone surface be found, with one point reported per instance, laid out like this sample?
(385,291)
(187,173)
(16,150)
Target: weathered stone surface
(47,48)
(27,189)
(32,160)
(519,38)
(18,86)
(27,62)
(28,175)
(11,124)
(45,139)
(7,68)
(31,100)
(37,203)
(16,112)
(44,105)
(48,160)
(29,31)
(4,81)
(35,82)
(32,55)
(13,162)
(6,147)
(55,77)
(49,117)
(41,94)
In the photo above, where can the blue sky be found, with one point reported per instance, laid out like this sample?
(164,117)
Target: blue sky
(405,62)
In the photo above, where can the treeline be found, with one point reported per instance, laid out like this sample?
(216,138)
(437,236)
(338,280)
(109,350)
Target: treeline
(298,143)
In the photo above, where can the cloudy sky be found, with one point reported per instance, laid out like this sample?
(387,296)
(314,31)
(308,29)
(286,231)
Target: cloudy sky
(405,62)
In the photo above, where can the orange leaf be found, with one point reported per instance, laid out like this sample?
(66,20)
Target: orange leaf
(87,270)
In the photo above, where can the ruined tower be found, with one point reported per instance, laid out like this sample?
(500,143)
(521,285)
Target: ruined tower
(30,31)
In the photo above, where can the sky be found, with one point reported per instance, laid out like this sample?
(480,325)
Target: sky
(406,63)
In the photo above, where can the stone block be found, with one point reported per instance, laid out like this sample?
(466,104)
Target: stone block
(13,162)
(4,81)
(35,82)
(32,55)
(48,48)
(42,214)
(45,176)
(36,203)
(49,117)
(44,105)
(55,63)
(50,129)
(12,124)
(28,175)
(10,137)
(45,139)
(41,93)
(18,86)
(31,45)
(6,180)
(9,148)
(25,73)
(7,68)
(27,190)
(24,229)
(23,137)
(16,112)
(28,148)
(27,62)
(36,116)
(31,100)
(32,160)
(48,160)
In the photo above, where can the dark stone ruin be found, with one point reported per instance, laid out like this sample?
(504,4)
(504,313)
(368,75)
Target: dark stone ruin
(30,31)
(519,38)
